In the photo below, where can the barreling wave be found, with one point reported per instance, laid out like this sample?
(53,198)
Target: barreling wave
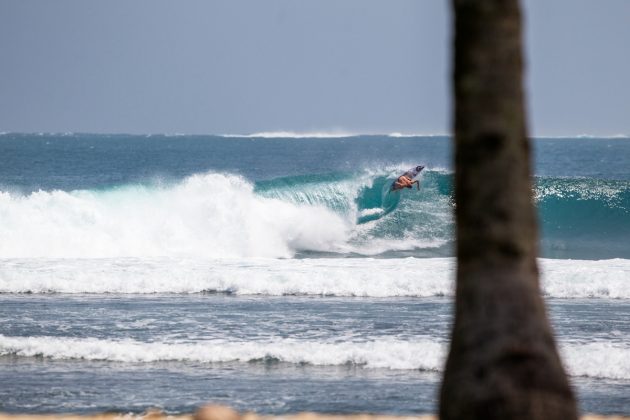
(342,213)
(354,277)
(218,216)
(595,359)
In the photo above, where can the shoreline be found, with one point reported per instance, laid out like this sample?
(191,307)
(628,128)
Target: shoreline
(219,412)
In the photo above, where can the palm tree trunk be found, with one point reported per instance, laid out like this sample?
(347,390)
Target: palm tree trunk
(503,362)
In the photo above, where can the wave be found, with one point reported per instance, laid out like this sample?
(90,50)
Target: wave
(384,353)
(405,135)
(326,135)
(621,136)
(369,196)
(600,359)
(584,218)
(309,134)
(610,136)
(595,359)
(321,276)
(209,215)
(217,215)
(360,277)
(213,216)
(296,135)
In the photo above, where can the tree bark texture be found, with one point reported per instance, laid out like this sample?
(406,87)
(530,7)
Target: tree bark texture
(503,362)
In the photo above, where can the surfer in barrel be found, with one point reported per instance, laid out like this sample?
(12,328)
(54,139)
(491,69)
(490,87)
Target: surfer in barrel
(406,180)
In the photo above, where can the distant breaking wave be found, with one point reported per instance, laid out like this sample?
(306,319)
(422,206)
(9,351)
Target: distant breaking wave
(304,134)
(296,135)
(596,359)
(326,135)
(400,135)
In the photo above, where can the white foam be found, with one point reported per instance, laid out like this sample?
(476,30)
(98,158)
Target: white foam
(295,135)
(325,276)
(621,136)
(596,359)
(401,135)
(209,215)
(586,279)
(384,353)
(365,277)
(328,134)
(371,212)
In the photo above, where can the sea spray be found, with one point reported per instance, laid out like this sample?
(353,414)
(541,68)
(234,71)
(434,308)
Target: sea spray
(210,215)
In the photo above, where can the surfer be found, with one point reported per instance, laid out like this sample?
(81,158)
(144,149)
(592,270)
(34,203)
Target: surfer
(405,182)
(406,179)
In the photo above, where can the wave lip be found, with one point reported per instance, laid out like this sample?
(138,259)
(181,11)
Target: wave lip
(595,359)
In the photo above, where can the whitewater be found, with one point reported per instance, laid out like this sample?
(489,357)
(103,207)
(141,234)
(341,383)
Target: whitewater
(246,267)
(599,359)
(216,215)
(365,277)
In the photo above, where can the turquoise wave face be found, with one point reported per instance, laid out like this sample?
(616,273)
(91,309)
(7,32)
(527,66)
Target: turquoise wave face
(579,218)
(584,218)
(377,200)
(400,223)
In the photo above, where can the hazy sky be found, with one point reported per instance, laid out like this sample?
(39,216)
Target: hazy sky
(243,66)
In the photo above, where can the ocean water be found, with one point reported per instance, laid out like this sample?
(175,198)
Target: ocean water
(279,274)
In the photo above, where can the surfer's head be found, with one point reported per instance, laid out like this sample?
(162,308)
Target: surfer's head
(419,168)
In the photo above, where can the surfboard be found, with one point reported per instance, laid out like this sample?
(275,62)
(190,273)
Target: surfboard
(411,173)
